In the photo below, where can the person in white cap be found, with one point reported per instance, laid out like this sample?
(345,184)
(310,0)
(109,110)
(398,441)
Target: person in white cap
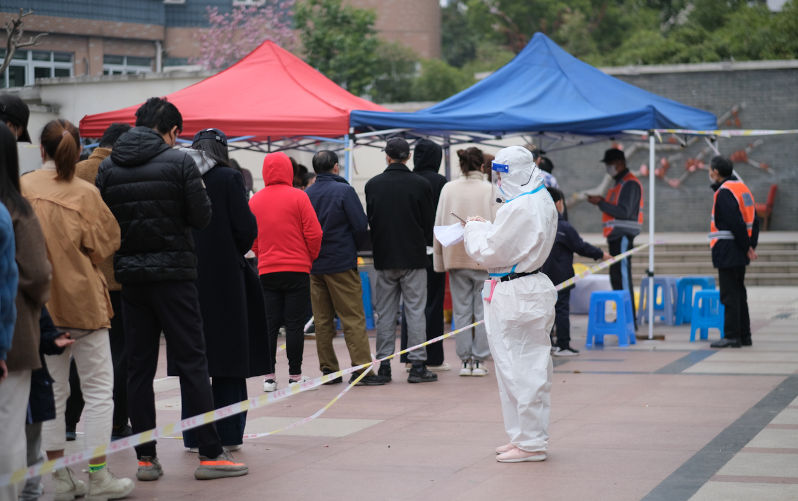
(518,300)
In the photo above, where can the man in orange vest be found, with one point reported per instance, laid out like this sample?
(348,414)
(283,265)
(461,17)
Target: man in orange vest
(734,231)
(622,218)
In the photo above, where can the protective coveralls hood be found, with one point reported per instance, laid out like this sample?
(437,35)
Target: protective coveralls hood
(519,313)
(514,173)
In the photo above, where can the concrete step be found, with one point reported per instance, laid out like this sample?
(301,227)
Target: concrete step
(777,263)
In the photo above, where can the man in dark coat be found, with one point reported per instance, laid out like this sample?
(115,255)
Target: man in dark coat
(426,162)
(401,215)
(158,197)
(734,235)
(334,281)
(231,300)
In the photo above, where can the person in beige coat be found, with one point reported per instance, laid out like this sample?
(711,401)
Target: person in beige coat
(467,196)
(80,233)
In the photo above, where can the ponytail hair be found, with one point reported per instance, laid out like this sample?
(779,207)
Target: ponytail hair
(471,159)
(61,142)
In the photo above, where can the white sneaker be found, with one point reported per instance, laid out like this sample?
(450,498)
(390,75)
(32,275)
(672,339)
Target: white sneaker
(439,368)
(477,369)
(302,379)
(192,450)
(466,369)
(269,385)
(66,486)
(103,485)
(565,352)
(232,448)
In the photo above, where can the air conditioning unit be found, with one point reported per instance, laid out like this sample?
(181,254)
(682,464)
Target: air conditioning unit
(248,3)
(174,2)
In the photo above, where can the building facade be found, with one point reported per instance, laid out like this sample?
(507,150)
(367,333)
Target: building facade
(113,37)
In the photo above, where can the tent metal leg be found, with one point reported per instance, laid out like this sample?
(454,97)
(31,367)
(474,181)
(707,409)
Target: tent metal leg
(348,156)
(651,213)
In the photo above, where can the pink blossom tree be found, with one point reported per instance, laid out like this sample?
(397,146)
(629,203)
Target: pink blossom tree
(232,35)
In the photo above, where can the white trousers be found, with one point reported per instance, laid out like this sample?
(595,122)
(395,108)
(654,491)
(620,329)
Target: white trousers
(518,319)
(92,354)
(14,393)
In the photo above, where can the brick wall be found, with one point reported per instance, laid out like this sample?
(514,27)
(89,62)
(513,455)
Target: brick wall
(414,23)
(769,100)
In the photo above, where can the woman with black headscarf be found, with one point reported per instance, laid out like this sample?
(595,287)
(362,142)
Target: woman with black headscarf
(231,301)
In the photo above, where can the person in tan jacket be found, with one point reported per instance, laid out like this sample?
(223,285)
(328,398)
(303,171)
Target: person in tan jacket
(87,170)
(80,233)
(467,196)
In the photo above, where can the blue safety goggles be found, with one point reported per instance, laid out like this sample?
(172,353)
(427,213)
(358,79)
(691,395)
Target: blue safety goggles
(499,167)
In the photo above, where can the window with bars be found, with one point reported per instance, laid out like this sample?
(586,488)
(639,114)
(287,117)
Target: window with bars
(126,65)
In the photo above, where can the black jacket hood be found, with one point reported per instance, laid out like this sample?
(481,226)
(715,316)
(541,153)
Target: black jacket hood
(137,146)
(427,156)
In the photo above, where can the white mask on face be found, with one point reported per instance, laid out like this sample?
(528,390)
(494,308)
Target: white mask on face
(611,170)
(711,179)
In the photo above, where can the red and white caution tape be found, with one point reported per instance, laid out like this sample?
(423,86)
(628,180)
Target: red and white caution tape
(170,430)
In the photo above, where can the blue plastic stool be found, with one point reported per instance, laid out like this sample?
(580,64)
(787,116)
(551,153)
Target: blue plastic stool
(685,288)
(597,325)
(664,300)
(368,309)
(707,313)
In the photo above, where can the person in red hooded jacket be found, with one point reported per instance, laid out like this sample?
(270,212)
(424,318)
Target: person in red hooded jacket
(289,240)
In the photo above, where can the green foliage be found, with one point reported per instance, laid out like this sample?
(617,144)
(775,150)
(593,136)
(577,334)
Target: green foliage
(604,32)
(458,41)
(438,81)
(394,73)
(339,41)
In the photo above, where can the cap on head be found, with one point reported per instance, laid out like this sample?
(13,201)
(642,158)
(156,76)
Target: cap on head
(14,110)
(214,134)
(397,149)
(613,154)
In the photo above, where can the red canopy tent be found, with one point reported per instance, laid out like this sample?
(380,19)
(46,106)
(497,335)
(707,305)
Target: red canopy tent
(268,95)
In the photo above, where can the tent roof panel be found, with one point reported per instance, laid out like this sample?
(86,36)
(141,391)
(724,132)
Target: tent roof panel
(546,89)
(268,93)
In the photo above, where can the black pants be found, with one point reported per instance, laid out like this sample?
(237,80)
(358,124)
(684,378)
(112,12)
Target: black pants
(562,318)
(74,403)
(433,311)
(287,296)
(116,334)
(736,322)
(174,308)
(226,391)
(621,273)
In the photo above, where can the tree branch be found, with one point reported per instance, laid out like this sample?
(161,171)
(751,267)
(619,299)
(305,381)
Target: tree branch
(13,34)
(31,41)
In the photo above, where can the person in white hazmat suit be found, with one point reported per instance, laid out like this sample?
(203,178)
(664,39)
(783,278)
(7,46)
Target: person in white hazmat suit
(518,300)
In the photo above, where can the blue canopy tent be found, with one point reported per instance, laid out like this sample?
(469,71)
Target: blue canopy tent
(545,90)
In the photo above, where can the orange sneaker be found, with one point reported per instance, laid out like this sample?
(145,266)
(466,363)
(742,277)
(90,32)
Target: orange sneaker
(222,466)
(149,469)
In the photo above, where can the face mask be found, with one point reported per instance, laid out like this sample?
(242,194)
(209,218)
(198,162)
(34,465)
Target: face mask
(611,170)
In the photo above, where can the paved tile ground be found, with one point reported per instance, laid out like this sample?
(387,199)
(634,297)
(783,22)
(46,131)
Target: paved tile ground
(661,420)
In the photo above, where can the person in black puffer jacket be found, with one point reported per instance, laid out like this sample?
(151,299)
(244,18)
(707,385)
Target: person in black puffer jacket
(158,197)
(427,157)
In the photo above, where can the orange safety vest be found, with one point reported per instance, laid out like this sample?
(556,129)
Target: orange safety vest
(745,200)
(610,222)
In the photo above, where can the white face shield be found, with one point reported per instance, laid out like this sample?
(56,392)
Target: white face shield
(514,172)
